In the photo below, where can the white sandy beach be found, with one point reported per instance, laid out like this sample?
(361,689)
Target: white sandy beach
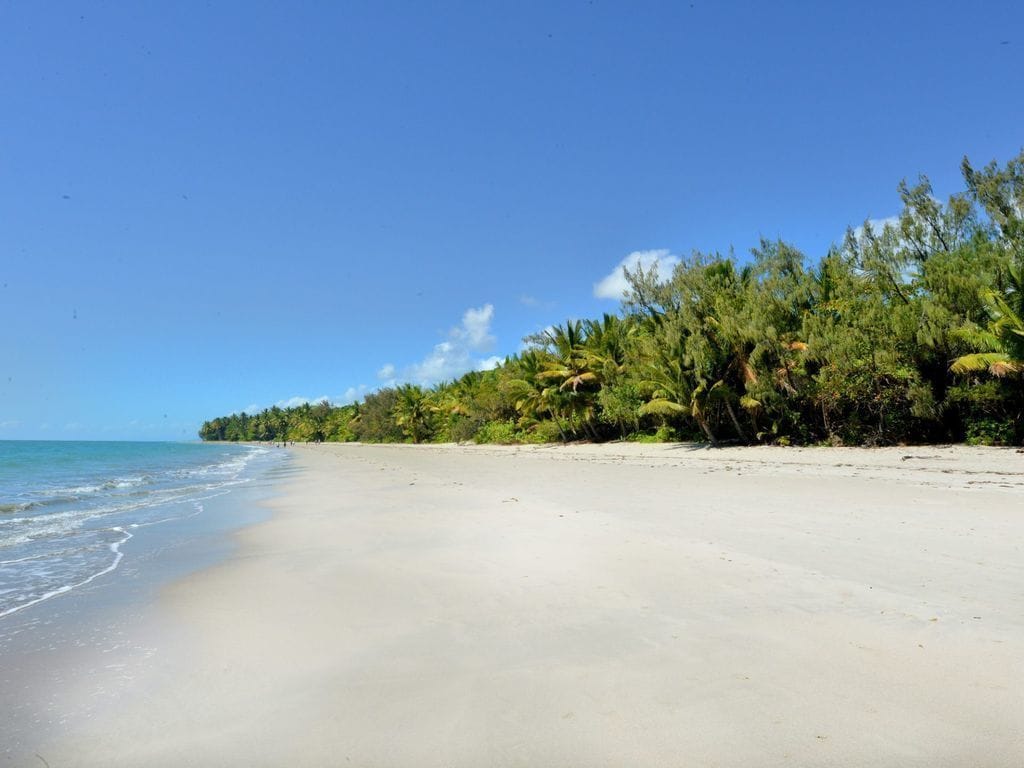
(616,605)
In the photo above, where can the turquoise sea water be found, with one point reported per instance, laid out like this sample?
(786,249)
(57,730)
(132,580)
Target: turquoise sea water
(69,510)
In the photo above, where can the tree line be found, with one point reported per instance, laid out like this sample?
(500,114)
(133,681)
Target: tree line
(909,332)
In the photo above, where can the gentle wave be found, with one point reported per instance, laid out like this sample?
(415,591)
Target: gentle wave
(57,537)
(20,506)
(55,496)
(115,548)
(25,506)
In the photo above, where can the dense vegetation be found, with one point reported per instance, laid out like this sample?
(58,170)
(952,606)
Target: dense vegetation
(909,333)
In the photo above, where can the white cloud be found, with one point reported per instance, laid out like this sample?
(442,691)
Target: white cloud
(614,285)
(535,303)
(463,350)
(386,375)
(476,328)
(352,394)
(877,225)
(458,353)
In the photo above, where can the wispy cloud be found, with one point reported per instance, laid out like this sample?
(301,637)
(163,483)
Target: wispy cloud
(460,351)
(352,394)
(877,225)
(614,285)
(464,349)
(387,375)
(476,328)
(534,302)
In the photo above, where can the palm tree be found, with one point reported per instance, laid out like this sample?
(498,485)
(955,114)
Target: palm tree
(1002,341)
(674,386)
(277,423)
(717,342)
(465,392)
(457,406)
(412,412)
(569,368)
(531,395)
(318,415)
(604,346)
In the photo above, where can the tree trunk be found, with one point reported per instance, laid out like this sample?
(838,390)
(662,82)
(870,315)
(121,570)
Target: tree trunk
(736,422)
(707,429)
(558,424)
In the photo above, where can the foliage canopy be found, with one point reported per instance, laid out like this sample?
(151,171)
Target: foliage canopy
(908,332)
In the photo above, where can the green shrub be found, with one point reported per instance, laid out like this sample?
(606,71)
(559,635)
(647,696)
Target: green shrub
(663,434)
(501,432)
(463,429)
(542,432)
(620,404)
(990,432)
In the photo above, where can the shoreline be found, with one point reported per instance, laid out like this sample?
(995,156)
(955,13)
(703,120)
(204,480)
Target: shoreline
(521,605)
(67,658)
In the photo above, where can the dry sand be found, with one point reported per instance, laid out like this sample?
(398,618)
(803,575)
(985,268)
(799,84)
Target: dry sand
(616,605)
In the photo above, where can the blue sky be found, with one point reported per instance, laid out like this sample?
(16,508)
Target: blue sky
(210,206)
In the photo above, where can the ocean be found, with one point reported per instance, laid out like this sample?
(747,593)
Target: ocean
(70,512)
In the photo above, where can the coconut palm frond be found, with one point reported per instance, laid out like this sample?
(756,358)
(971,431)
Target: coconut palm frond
(1002,368)
(980,361)
(749,403)
(661,407)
